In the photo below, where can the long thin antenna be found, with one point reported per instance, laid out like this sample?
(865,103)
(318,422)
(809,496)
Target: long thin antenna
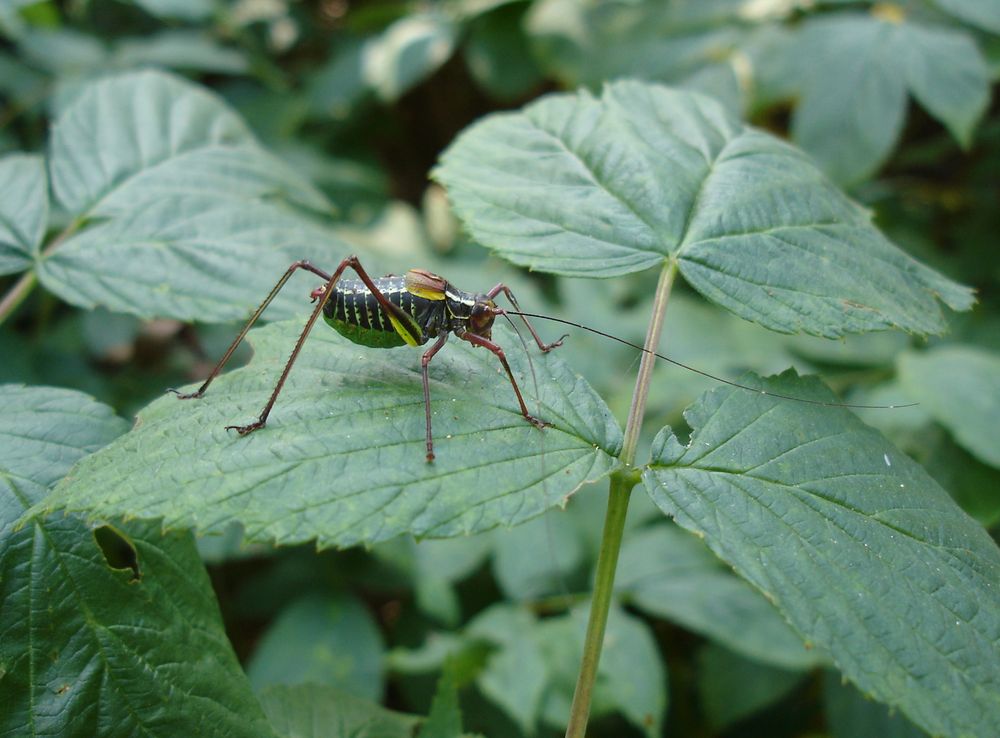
(706,374)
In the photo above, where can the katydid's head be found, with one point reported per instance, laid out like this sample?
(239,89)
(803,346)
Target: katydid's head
(481,318)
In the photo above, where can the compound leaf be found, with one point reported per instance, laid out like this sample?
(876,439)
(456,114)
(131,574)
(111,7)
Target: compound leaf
(107,631)
(876,564)
(183,214)
(857,72)
(191,258)
(128,140)
(341,460)
(598,187)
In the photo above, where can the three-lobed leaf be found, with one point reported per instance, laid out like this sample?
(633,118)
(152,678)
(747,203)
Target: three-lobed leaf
(179,211)
(101,632)
(598,187)
(342,460)
(862,552)
(856,71)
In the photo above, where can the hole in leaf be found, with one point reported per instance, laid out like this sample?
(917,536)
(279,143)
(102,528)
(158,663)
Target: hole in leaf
(118,550)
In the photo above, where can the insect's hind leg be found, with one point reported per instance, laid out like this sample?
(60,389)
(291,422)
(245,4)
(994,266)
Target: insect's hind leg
(545,347)
(323,296)
(249,324)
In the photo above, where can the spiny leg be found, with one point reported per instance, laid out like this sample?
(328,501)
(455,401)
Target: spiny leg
(498,352)
(424,361)
(323,297)
(545,347)
(249,324)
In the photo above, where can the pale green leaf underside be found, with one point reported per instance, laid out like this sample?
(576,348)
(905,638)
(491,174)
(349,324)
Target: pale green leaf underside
(407,52)
(341,460)
(184,215)
(191,258)
(599,187)
(84,650)
(876,564)
(960,387)
(858,72)
(131,139)
(24,210)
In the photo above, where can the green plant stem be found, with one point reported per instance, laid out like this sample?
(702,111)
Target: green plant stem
(622,483)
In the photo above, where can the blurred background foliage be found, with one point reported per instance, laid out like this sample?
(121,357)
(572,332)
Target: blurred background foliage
(892,99)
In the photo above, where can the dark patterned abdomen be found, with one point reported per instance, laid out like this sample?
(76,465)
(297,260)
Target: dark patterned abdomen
(355,313)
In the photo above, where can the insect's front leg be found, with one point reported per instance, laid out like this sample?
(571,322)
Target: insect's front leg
(498,352)
(545,347)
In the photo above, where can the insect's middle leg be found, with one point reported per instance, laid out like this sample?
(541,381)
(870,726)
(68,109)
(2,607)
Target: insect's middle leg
(545,347)
(424,361)
(498,352)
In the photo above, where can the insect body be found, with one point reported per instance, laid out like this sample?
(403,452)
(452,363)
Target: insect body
(392,311)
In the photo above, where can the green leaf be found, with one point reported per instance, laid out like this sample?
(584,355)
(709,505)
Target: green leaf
(318,711)
(863,553)
(632,673)
(982,13)
(516,675)
(342,458)
(321,639)
(95,641)
(858,69)
(588,43)
(947,75)
(24,210)
(959,386)
(445,719)
(733,688)
(63,51)
(667,573)
(850,715)
(630,676)
(853,97)
(974,485)
(127,141)
(536,559)
(181,49)
(191,258)
(498,56)
(407,52)
(599,187)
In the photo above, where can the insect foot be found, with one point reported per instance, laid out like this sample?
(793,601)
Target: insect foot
(555,344)
(246,429)
(186,395)
(540,424)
